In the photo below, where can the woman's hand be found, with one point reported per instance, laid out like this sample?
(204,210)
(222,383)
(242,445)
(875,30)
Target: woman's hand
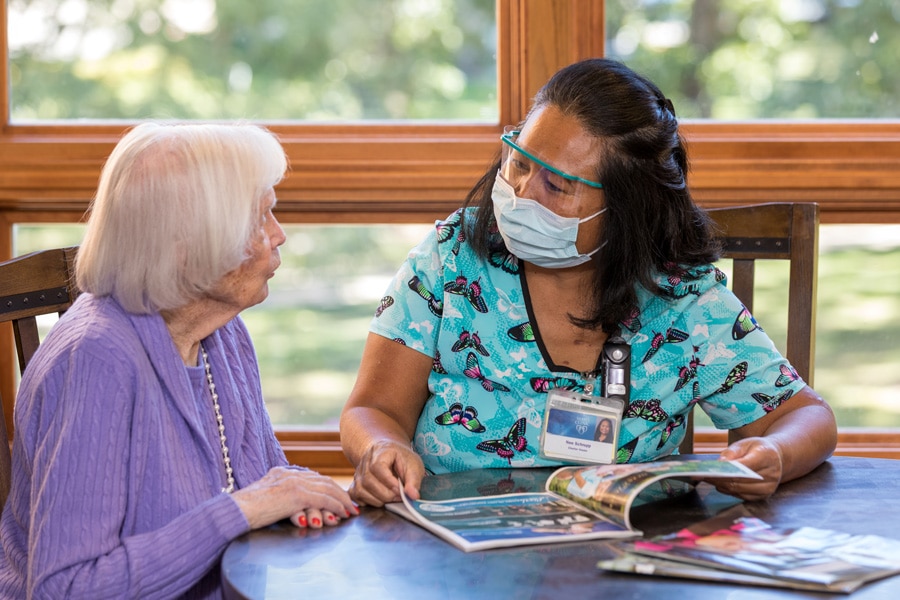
(379,420)
(309,499)
(785,444)
(760,455)
(382,468)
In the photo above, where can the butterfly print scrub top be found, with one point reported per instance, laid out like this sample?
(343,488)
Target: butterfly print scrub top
(695,343)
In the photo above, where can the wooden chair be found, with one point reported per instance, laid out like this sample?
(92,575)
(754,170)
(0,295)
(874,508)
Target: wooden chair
(36,284)
(781,231)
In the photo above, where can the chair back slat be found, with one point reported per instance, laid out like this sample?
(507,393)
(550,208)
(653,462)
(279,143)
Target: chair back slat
(35,284)
(743,276)
(28,339)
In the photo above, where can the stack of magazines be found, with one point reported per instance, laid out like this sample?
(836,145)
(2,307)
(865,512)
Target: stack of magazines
(736,548)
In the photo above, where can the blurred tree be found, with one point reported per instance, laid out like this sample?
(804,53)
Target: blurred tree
(339,60)
(751,59)
(319,60)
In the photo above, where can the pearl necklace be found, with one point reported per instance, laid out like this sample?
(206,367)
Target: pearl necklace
(229,473)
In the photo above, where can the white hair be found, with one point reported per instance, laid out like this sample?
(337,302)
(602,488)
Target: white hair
(175,210)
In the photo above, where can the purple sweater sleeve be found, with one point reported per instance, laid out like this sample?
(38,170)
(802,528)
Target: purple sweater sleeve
(116,484)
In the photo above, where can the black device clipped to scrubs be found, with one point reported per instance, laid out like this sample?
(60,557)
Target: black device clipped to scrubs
(615,367)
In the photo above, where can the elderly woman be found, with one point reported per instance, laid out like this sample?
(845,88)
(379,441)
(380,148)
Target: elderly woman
(142,443)
(583,232)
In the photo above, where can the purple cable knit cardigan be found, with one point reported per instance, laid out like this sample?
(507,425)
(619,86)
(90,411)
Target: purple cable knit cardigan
(117,467)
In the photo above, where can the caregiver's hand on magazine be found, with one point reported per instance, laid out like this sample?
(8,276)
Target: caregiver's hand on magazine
(787,443)
(379,421)
(383,467)
(760,455)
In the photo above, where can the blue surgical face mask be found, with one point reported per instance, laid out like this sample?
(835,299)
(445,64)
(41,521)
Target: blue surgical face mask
(534,233)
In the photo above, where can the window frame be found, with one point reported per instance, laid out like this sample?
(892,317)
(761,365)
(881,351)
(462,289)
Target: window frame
(409,173)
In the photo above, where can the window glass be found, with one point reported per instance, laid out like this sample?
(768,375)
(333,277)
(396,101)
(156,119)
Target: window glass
(317,60)
(858,323)
(778,59)
(310,332)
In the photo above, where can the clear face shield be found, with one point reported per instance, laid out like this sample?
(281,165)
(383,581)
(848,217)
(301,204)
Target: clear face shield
(535,179)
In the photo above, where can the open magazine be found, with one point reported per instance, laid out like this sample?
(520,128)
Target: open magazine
(579,503)
(743,549)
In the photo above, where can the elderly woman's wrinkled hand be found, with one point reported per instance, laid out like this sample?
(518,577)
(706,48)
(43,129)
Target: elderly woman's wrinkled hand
(384,467)
(308,498)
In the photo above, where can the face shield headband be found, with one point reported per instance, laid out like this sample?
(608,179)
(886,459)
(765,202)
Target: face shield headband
(518,164)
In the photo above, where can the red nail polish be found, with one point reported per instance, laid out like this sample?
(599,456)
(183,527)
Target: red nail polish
(330,518)
(302,520)
(316,522)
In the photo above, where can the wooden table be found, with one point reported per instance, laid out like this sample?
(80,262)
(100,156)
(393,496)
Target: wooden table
(380,555)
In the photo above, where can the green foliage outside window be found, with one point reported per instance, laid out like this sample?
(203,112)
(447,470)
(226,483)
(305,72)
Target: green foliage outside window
(316,60)
(774,59)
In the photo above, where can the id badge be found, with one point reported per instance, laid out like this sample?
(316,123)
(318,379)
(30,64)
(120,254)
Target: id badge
(581,428)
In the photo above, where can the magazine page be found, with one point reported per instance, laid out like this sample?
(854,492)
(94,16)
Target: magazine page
(746,544)
(660,567)
(612,489)
(508,520)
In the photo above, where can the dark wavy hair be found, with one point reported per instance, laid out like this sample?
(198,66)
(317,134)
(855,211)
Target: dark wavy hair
(652,224)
